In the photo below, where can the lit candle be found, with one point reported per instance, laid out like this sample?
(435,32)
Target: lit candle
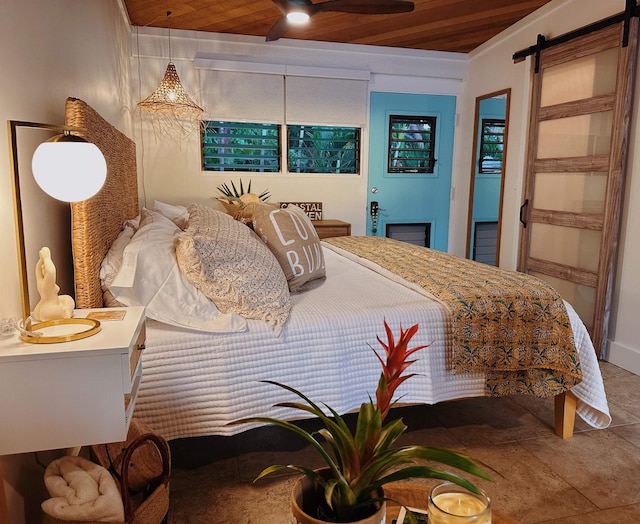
(451,504)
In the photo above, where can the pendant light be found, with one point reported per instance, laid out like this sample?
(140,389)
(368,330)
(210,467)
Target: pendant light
(170,97)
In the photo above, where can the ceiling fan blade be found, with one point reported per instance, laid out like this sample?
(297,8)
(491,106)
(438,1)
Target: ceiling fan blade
(366,7)
(278,29)
(287,5)
(282,5)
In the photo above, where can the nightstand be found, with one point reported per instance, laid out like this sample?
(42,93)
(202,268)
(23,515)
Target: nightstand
(71,394)
(332,228)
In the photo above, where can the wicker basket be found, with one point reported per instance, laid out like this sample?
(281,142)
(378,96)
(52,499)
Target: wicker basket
(148,503)
(146,463)
(153,502)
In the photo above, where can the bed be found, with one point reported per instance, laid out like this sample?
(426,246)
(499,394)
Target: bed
(199,375)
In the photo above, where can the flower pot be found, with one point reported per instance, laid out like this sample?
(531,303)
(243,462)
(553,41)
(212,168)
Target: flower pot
(306,497)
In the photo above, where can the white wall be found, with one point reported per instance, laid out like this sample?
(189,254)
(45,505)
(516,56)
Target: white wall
(51,50)
(171,165)
(82,49)
(491,68)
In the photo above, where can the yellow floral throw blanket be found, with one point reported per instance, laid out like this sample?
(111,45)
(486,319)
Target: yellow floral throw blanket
(509,325)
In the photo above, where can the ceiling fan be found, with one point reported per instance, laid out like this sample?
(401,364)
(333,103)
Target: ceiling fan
(306,9)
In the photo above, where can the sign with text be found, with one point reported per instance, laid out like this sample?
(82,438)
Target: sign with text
(312,209)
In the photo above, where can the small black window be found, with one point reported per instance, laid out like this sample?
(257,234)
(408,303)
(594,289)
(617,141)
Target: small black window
(240,146)
(411,144)
(491,146)
(323,149)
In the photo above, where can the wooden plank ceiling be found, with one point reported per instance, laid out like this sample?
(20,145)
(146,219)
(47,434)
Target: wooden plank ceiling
(440,25)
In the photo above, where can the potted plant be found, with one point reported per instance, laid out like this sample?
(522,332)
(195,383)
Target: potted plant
(364,460)
(240,204)
(234,196)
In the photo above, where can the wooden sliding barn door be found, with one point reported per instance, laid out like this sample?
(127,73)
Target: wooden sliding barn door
(577,144)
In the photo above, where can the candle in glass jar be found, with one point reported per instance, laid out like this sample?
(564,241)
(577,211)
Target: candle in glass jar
(451,504)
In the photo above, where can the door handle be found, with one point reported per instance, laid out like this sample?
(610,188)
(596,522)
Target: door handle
(522,210)
(373,209)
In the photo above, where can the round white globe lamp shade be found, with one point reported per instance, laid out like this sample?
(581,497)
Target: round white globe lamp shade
(69,168)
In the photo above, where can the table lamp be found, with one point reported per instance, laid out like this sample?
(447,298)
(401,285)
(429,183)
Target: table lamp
(68,168)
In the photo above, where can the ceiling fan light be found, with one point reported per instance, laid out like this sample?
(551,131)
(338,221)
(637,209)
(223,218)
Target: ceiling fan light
(297,17)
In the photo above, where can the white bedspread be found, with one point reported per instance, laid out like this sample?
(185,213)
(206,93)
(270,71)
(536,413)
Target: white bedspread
(195,383)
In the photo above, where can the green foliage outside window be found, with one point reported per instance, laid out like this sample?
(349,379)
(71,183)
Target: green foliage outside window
(254,147)
(411,144)
(491,146)
(323,149)
(240,146)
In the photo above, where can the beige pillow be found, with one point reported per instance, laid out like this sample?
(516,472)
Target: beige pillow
(292,238)
(225,260)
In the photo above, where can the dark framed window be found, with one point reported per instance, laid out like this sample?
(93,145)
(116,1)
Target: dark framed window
(491,146)
(240,146)
(323,149)
(411,144)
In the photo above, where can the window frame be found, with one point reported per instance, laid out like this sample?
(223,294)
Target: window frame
(283,158)
(484,124)
(274,146)
(430,159)
(292,157)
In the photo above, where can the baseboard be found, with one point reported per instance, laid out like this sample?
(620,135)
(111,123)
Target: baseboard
(624,357)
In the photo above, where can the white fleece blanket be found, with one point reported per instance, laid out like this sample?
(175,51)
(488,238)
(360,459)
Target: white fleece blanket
(81,490)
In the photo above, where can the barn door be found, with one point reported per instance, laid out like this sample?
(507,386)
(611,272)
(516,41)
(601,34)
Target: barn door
(577,144)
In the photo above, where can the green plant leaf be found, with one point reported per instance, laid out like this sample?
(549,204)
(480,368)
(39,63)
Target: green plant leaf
(413,472)
(366,460)
(297,430)
(457,459)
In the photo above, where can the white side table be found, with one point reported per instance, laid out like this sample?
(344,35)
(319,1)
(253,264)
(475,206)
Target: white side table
(71,394)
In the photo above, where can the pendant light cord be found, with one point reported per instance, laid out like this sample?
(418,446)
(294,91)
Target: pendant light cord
(169,30)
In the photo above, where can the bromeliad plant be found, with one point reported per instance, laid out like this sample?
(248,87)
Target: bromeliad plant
(233,194)
(240,204)
(365,460)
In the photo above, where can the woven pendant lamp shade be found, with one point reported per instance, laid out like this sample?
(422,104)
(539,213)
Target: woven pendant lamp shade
(170,98)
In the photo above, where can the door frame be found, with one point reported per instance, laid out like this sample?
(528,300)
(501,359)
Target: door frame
(474,167)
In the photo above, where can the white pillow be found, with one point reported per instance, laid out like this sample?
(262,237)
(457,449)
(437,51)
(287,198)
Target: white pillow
(112,261)
(177,214)
(149,276)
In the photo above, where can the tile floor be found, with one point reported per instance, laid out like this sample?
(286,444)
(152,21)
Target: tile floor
(593,477)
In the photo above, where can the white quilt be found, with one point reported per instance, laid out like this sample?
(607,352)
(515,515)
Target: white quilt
(196,383)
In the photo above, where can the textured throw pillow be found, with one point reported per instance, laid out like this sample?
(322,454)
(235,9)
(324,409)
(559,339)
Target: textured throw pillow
(291,237)
(227,261)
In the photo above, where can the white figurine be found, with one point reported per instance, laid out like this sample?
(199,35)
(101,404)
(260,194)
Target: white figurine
(51,306)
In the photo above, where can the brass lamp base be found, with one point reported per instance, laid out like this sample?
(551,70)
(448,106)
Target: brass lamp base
(30,331)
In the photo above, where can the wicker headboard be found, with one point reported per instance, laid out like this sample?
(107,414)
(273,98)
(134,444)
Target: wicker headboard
(95,223)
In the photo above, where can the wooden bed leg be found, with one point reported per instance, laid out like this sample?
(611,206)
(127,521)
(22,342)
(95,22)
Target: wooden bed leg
(565,414)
